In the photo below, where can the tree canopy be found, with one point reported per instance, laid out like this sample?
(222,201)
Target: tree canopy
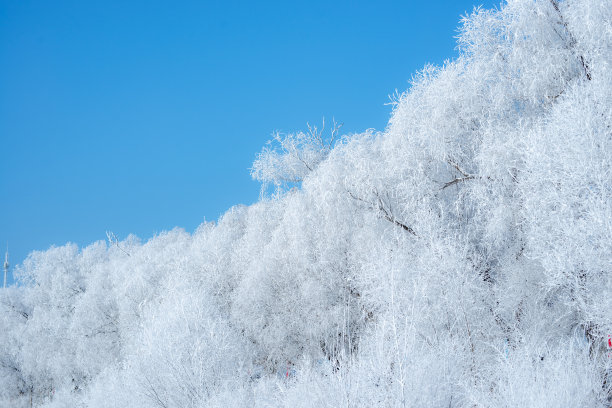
(460,257)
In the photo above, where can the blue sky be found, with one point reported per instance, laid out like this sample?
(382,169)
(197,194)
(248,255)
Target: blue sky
(135,117)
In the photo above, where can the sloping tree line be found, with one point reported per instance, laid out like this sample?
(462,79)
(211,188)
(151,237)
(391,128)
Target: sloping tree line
(462,257)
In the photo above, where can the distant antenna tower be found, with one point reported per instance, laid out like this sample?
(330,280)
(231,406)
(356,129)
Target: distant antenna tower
(6,265)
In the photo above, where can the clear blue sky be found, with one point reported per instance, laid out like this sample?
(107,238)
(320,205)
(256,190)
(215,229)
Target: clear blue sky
(138,116)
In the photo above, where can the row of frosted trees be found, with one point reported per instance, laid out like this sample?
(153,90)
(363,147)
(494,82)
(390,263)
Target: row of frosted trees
(461,257)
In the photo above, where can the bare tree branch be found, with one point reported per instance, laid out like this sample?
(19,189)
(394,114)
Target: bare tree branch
(387,214)
(572,39)
(457,180)
(464,175)
(112,239)
(154,394)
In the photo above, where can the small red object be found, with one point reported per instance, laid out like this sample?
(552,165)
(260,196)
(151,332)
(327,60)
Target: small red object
(609,341)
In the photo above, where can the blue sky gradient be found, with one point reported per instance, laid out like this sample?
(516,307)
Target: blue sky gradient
(135,117)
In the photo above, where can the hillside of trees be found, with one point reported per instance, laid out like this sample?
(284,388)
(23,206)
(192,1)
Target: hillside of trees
(461,257)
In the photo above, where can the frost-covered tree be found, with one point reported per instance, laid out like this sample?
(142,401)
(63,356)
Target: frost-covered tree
(461,257)
(288,158)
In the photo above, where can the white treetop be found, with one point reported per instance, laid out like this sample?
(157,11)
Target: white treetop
(459,258)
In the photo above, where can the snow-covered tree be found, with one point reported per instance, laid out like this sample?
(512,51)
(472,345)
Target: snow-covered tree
(460,257)
(288,158)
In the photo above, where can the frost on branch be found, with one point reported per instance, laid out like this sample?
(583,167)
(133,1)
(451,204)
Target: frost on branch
(289,158)
(458,258)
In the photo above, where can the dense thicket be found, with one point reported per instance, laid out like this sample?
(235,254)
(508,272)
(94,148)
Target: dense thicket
(462,257)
